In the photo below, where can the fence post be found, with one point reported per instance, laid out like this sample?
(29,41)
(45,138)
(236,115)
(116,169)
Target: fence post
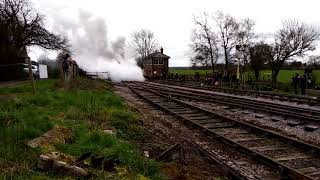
(31,76)
(61,72)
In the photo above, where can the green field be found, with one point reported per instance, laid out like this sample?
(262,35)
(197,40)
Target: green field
(283,77)
(189,71)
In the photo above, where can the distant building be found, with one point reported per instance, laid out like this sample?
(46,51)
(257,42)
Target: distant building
(156,65)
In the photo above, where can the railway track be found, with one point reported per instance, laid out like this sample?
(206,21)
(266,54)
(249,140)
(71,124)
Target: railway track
(292,158)
(300,114)
(309,100)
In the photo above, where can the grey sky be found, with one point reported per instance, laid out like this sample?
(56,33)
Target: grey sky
(171,21)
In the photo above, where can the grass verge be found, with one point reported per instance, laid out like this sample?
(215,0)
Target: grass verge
(88,109)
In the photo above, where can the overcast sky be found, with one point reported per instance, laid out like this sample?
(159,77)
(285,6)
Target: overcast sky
(171,20)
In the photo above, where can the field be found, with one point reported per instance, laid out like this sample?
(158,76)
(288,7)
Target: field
(87,109)
(283,77)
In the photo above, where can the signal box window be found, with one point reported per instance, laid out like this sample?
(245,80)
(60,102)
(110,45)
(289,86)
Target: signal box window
(155,61)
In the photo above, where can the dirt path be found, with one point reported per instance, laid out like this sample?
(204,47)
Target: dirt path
(12,83)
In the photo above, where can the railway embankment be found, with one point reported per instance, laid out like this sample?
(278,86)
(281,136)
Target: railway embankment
(85,131)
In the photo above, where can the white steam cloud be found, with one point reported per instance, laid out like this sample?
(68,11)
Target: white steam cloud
(93,51)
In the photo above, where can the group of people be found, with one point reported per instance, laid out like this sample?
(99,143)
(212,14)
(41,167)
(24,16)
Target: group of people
(69,67)
(215,79)
(177,77)
(300,82)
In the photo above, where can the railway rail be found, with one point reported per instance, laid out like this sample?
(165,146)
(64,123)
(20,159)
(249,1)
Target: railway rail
(310,100)
(230,172)
(292,158)
(301,114)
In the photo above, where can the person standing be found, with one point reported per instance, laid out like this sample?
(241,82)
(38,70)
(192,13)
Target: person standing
(220,78)
(295,82)
(303,84)
(65,67)
(176,76)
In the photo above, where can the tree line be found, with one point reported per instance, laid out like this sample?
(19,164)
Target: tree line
(223,37)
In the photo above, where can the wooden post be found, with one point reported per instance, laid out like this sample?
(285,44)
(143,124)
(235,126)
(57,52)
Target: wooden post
(61,72)
(77,71)
(73,71)
(62,75)
(31,76)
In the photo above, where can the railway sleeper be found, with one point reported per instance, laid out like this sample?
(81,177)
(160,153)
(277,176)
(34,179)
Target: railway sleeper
(198,114)
(187,112)
(292,157)
(270,109)
(198,118)
(232,107)
(219,125)
(178,108)
(296,123)
(268,148)
(242,135)
(287,171)
(311,128)
(312,171)
(269,95)
(208,121)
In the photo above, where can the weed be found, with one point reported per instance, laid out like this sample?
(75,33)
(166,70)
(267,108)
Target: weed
(109,146)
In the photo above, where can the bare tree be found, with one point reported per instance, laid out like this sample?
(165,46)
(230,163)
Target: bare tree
(293,40)
(245,36)
(201,59)
(228,30)
(205,41)
(314,61)
(259,55)
(8,53)
(25,26)
(194,60)
(144,43)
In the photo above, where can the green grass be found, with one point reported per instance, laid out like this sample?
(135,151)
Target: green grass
(283,77)
(189,71)
(87,111)
(316,76)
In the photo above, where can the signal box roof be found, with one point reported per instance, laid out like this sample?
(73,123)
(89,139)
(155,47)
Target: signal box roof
(157,55)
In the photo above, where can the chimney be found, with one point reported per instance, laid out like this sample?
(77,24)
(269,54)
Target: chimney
(161,50)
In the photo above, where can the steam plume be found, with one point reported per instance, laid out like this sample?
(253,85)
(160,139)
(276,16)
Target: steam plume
(93,51)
